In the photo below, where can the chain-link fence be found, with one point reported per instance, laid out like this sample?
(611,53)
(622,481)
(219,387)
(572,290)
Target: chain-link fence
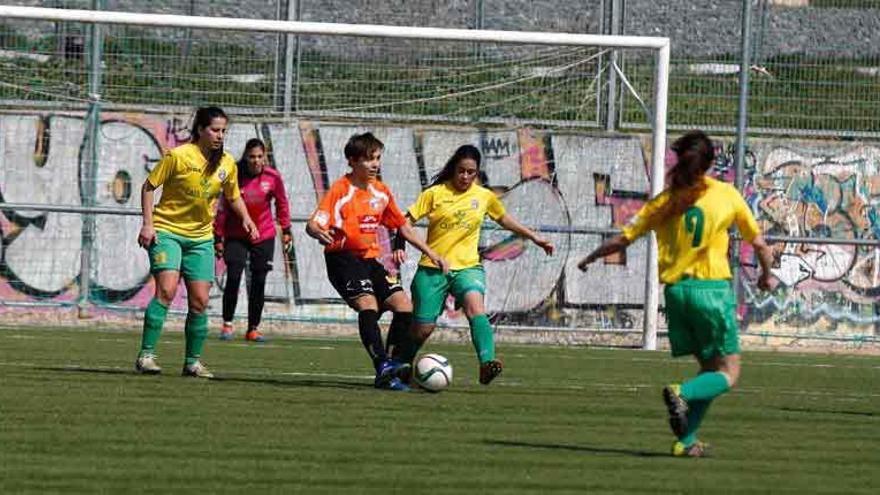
(815,64)
(814,70)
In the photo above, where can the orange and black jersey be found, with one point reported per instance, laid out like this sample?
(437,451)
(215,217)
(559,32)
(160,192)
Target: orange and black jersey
(353,216)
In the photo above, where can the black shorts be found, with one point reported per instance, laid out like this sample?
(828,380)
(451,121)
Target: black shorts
(353,277)
(259,255)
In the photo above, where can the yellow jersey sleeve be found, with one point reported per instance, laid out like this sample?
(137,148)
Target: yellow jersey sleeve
(494,207)
(163,170)
(230,183)
(423,205)
(745,220)
(645,219)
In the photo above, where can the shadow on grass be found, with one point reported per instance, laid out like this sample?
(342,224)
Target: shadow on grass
(807,410)
(81,369)
(292,383)
(576,448)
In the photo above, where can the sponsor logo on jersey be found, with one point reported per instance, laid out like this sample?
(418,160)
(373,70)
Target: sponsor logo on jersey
(368,223)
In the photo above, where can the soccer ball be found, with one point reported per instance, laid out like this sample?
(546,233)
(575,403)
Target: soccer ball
(433,372)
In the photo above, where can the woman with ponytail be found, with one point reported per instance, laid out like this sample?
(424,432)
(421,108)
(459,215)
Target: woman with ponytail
(260,186)
(691,218)
(455,205)
(178,233)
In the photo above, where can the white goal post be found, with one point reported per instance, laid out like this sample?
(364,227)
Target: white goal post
(659,45)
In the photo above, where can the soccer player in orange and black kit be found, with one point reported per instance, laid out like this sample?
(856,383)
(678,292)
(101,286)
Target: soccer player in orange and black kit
(346,223)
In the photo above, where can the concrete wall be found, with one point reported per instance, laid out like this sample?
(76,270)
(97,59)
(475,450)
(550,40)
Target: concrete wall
(551,179)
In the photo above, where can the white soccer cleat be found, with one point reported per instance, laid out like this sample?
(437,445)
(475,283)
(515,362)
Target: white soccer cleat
(147,365)
(197,370)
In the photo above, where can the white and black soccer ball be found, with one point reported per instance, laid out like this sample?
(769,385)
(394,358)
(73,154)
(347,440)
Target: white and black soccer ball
(433,372)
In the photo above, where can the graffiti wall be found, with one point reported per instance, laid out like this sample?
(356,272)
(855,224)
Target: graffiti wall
(561,183)
(808,189)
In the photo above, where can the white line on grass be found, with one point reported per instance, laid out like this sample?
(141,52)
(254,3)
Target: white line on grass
(629,387)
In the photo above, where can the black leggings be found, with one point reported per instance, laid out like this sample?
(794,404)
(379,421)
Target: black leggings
(238,253)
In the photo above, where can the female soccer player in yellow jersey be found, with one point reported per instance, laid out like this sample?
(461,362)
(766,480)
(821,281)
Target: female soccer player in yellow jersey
(691,218)
(178,233)
(455,206)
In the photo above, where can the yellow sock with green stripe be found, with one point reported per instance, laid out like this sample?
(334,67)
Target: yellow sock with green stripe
(196,331)
(706,386)
(154,320)
(482,337)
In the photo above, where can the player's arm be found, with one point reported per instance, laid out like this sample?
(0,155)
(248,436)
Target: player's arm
(398,246)
(409,233)
(639,225)
(420,207)
(765,259)
(751,233)
(615,244)
(282,213)
(147,235)
(392,217)
(219,226)
(511,224)
(318,227)
(161,173)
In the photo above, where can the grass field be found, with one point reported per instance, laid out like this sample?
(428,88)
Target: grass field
(300,416)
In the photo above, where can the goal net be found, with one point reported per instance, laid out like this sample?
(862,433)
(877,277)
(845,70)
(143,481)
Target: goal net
(100,95)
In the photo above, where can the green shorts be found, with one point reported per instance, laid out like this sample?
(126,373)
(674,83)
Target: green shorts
(701,315)
(430,287)
(194,259)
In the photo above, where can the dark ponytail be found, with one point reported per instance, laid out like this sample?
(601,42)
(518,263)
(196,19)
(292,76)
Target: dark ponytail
(695,153)
(462,153)
(203,119)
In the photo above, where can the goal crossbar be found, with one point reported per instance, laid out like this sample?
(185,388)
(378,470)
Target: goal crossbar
(320,28)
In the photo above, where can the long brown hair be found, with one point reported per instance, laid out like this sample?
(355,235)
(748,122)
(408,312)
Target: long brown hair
(203,119)
(252,143)
(695,153)
(462,153)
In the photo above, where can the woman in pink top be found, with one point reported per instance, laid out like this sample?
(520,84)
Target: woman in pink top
(260,185)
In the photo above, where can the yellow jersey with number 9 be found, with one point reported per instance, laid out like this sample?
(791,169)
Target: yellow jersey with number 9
(188,200)
(695,244)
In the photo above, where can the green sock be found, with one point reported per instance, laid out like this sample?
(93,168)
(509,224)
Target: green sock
(696,411)
(154,320)
(196,331)
(706,386)
(483,338)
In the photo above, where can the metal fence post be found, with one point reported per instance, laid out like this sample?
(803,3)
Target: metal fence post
(741,127)
(291,75)
(89,160)
(615,27)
